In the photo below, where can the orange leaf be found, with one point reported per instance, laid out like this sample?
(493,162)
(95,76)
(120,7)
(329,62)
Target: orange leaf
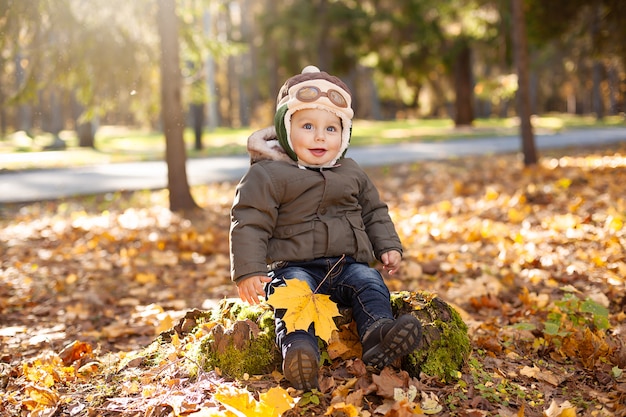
(345,343)
(42,396)
(75,351)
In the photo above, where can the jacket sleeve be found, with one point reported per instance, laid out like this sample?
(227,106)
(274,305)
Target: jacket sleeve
(253,217)
(378,224)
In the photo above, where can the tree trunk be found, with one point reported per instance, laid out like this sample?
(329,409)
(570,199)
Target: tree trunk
(324,50)
(4,123)
(24,111)
(209,32)
(85,130)
(596,95)
(55,122)
(86,135)
(597,66)
(520,51)
(172,109)
(246,67)
(197,117)
(614,82)
(463,85)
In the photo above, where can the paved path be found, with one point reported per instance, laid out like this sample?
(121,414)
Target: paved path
(47,184)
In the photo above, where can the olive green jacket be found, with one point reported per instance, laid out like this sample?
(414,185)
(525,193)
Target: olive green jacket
(282,212)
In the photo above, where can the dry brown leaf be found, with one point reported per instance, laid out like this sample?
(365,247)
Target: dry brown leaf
(345,343)
(388,380)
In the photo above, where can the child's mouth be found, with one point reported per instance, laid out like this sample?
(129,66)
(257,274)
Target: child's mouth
(317,151)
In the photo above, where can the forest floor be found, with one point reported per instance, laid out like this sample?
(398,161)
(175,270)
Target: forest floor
(533,259)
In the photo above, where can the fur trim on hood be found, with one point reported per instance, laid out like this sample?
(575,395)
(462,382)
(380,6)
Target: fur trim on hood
(263,144)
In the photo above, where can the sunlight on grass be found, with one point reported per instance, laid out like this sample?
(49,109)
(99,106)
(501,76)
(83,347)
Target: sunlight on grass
(121,144)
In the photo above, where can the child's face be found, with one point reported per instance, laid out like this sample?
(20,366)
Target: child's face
(315,136)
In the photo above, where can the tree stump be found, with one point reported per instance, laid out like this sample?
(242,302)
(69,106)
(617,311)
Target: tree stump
(445,344)
(239,339)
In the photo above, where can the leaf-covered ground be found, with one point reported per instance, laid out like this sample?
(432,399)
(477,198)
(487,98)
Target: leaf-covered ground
(533,259)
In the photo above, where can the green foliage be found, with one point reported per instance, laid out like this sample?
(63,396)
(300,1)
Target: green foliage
(324,356)
(547,20)
(617,372)
(310,398)
(573,313)
(568,315)
(497,389)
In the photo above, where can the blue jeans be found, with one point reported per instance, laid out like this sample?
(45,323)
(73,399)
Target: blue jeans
(350,284)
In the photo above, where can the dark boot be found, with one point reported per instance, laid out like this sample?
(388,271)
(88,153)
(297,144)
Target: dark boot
(301,364)
(390,340)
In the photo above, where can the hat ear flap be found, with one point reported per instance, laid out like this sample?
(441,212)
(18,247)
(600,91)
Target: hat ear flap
(347,141)
(281,131)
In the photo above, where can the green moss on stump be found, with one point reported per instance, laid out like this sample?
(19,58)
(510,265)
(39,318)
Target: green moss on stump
(242,340)
(445,344)
(255,356)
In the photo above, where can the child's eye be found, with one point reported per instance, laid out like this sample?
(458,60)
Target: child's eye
(308,126)
(331,128)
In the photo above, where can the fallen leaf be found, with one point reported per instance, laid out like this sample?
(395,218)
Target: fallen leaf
(75,351)
(41,401)
(430,403)
(564,409)
(345,343)
(402,408)
(388,380)
(408,394)
(541,375)
(273,403)
(146,278)
(342,409)
(279,399)
(305,307)
(239,401)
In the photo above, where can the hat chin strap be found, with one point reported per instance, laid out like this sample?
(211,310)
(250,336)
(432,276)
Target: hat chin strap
(329,165)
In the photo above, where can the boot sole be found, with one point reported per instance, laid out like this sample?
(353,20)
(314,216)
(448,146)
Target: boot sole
(300,367)
(402,339)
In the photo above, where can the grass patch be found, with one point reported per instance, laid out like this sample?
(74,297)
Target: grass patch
(121,144)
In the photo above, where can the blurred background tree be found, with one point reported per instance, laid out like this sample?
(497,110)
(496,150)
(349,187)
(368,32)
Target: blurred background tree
(66,64)
(172,114)
(80,64)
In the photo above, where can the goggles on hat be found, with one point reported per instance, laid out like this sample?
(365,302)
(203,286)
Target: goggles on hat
(311,93)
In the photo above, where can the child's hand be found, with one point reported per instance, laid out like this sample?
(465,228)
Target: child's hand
(251,288)
(391,261)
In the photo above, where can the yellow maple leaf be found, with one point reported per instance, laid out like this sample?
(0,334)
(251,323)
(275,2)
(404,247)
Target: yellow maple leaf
(342,409)
(305,307)
(241,403)
(278,400)
(236,400)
